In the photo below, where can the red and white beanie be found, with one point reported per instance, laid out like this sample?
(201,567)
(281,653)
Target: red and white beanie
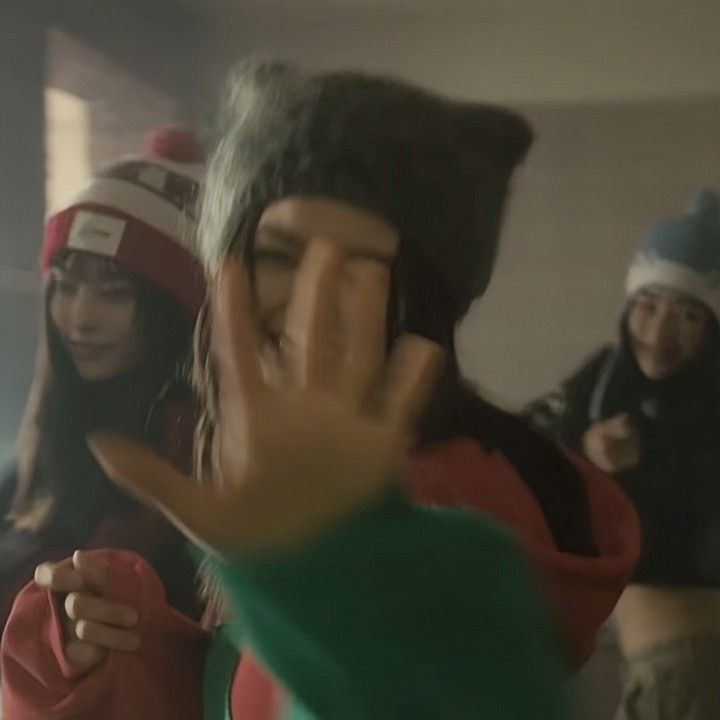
(141,212)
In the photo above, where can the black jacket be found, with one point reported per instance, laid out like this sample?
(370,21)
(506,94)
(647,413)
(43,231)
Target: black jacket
(676,486)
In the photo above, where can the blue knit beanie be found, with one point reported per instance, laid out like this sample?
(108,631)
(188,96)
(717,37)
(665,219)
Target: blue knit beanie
(683,253)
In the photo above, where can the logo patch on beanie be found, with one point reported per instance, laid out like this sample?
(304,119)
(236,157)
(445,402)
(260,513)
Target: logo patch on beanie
(170,185)
(96,233)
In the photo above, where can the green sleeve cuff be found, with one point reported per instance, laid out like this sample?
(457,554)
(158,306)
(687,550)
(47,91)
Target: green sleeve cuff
(402,612)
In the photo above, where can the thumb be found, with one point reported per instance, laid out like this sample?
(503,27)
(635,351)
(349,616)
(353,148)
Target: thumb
(83,656)
(195,510)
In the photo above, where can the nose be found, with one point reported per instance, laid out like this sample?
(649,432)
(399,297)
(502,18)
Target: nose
(661,327)
(84,316)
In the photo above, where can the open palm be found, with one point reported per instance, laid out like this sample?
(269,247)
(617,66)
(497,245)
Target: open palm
(304,440)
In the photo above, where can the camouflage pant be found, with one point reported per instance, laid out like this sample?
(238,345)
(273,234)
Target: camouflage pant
(677,680)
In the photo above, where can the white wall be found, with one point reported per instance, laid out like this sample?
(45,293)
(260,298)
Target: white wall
(120,107)
(517,51)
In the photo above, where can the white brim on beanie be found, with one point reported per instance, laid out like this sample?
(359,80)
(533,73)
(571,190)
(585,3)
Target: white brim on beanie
(648,270)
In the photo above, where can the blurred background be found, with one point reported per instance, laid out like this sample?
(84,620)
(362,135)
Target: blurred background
(624,98)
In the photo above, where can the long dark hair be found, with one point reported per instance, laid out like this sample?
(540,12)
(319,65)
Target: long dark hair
(419,304)
(59,483)
(459,410)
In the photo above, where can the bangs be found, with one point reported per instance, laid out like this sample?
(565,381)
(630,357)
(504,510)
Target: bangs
(86,265)
(674,295)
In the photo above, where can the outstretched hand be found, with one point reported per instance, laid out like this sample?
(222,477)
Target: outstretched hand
(306,437)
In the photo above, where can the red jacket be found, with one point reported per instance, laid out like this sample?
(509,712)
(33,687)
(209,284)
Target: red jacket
(163,680)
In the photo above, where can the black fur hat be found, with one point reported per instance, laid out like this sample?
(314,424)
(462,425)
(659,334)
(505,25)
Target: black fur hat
(436,169)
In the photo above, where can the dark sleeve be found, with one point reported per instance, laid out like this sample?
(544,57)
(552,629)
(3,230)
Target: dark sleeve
(706,520)
(545,413)
(403,613)
(562,415)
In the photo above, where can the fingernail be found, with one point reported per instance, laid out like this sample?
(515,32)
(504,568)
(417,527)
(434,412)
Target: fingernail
(70,601)
(81,628)
(42,575)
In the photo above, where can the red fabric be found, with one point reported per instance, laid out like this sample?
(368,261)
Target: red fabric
(255,695)
(168,669)
(161,681)
(143,250)
(582,590)
(142,529)
(173,143)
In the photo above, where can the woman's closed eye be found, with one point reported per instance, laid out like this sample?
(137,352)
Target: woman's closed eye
(276,257)
(693,313)
(647,305)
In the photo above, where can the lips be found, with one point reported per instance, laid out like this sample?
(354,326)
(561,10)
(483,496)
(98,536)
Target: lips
(657,363)
(662,356)
(88,352)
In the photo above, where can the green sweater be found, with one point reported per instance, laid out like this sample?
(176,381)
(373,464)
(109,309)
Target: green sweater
(402,613)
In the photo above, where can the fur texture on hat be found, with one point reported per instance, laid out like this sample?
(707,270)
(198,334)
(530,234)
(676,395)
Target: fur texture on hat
(436,169)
